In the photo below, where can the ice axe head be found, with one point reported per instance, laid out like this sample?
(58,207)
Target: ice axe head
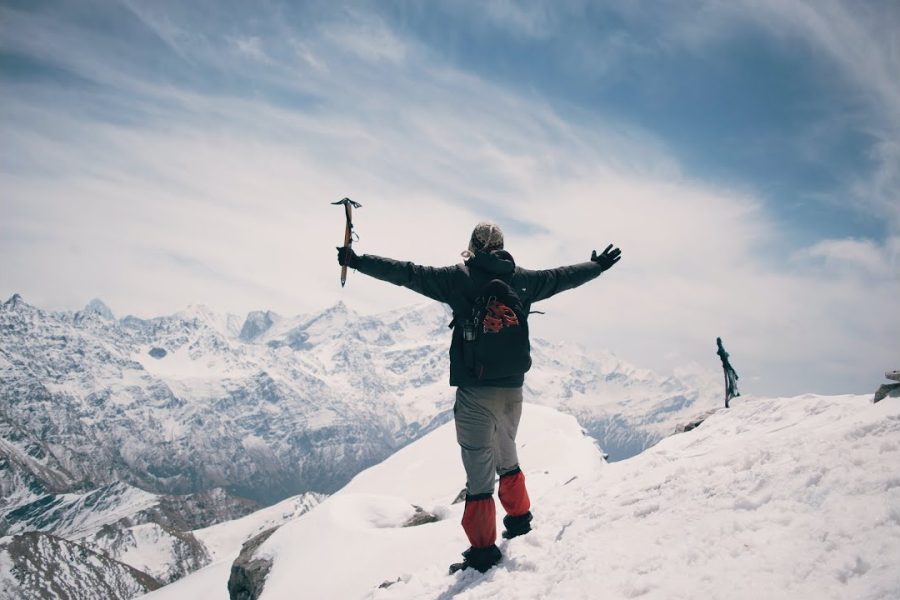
(348,202)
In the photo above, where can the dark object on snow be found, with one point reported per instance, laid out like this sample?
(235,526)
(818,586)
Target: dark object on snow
(157,352)
(421,517)
(694,423)
(480,559)
(248,574)
(731,375)
(889,389)
(349,205)
(460,496)
(387,584)
(516,526)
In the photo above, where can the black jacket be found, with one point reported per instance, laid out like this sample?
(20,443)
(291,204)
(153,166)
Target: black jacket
(459,285)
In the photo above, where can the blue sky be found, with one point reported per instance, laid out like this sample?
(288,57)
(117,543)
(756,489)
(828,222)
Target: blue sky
(744,155)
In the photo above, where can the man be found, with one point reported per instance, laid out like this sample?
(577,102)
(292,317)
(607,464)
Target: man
(487,409)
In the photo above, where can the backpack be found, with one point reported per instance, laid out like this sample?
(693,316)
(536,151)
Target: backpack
(495,337)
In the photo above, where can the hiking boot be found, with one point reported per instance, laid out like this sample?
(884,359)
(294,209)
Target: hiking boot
(516,526)
(480,559)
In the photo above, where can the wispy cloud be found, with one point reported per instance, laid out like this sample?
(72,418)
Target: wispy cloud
(200,163)
(858,42)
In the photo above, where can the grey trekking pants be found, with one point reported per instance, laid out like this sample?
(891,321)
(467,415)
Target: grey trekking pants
(487,419)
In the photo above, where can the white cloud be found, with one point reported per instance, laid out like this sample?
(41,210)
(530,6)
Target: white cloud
(862,258)
(367,37)
(224,200)
(251,46)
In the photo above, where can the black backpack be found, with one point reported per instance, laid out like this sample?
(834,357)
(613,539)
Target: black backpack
(495,336)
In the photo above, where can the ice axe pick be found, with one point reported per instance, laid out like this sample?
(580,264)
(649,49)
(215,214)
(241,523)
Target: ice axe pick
(349,205)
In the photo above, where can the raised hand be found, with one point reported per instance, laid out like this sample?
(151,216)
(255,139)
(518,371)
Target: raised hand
(609,257)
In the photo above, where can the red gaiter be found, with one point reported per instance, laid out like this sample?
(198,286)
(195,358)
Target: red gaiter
(513,495)
(480,522)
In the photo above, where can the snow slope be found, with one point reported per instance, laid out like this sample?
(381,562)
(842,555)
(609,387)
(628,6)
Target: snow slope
(223,542)
(775,498)
(332,548)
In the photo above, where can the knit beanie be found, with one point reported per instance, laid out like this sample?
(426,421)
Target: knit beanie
(486,237)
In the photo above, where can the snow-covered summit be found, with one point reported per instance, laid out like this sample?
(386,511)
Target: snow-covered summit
(774,498)
(358,531)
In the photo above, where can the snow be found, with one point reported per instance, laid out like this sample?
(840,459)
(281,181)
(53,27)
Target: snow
(226,538)
(208,583)
(178,365)
(778,498)
(341,535)
(7,579)
(775,498)
(152,552)
(79,515)
(224,541)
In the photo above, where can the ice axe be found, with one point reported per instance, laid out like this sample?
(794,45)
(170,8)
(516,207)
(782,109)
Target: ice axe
(349,205)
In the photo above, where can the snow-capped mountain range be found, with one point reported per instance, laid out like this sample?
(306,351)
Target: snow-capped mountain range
(137,413)
(267,407)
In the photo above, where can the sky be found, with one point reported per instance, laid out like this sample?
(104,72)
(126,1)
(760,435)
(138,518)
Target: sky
(745,156)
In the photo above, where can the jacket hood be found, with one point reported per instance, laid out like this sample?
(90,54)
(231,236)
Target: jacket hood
(498,262)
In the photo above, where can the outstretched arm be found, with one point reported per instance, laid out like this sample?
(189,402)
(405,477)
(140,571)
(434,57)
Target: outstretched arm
(549,282)
(434,282)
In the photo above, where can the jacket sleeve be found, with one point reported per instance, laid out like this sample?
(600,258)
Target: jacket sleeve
(433,282)
(549,282)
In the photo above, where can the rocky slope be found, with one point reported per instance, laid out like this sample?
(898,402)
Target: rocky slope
(36,566)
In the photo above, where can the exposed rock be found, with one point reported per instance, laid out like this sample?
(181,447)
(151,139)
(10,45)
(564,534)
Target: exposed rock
(148,532)
(45,566)
(887,389)
(421,517)
(164,553)
(695,422)
(157,352)
(248,574)
(460,497)
(196,511)
(256,324)
(76,515)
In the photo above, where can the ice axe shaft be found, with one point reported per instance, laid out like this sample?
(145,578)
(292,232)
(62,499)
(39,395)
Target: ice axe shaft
(349,205)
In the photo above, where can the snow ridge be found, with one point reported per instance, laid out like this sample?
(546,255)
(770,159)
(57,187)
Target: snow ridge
(774,498)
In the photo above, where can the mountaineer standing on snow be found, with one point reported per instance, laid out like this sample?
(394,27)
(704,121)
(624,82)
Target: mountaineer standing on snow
(489,354)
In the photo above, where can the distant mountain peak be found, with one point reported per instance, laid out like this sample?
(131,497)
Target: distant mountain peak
(14,300)
(98,307)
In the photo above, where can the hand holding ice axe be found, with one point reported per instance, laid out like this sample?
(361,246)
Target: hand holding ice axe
(345,253)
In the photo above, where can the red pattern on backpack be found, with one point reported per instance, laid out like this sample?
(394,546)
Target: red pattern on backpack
(498,316)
